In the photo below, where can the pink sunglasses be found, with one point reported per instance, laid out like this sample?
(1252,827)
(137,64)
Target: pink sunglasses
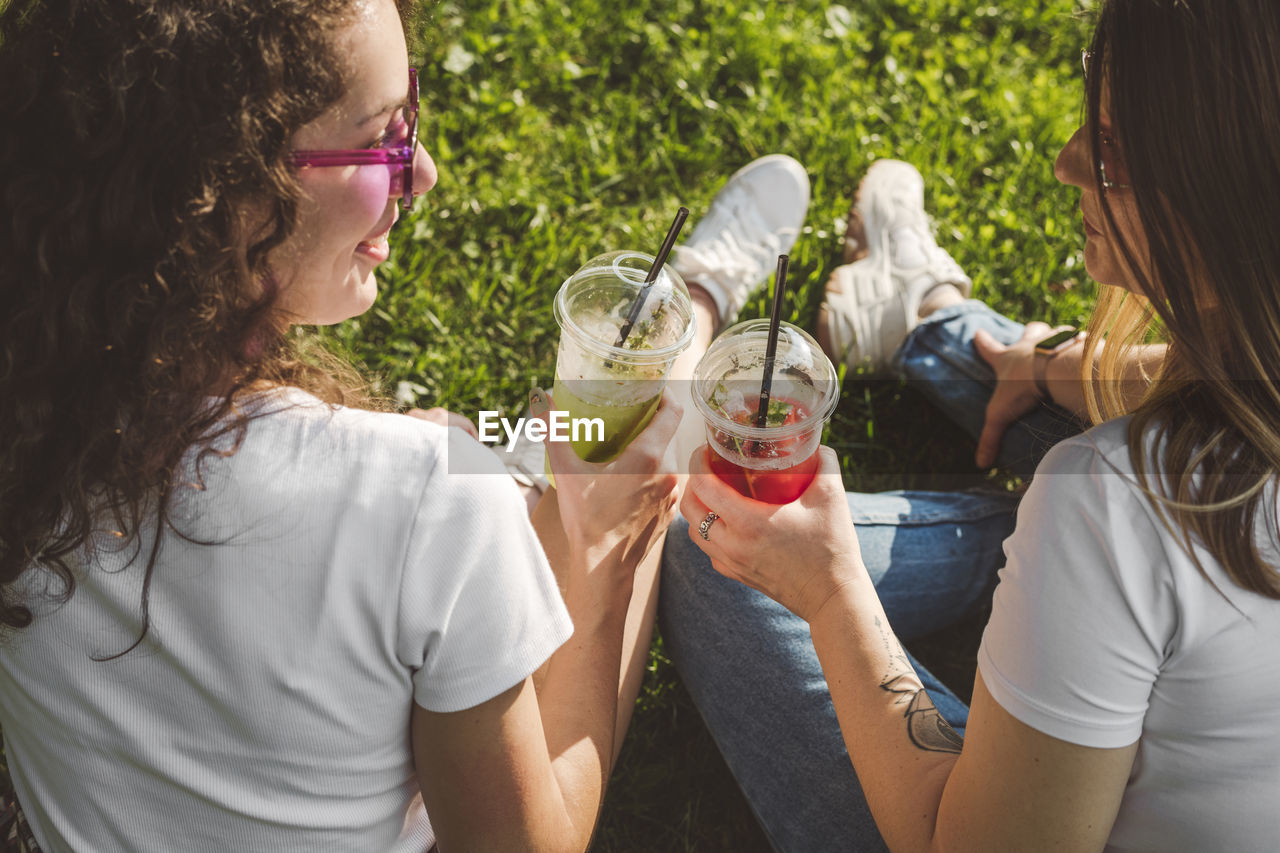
(399,154)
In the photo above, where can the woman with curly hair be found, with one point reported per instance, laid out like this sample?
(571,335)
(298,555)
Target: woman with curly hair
(242,610)
(1127,694)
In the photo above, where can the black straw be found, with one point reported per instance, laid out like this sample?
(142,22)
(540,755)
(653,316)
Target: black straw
(771,349)
(672,233)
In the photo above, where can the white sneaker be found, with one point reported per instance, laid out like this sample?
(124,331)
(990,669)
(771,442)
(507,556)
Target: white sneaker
(756,216)
(872,303)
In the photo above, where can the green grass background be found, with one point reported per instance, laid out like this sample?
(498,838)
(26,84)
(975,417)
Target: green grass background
(565,130)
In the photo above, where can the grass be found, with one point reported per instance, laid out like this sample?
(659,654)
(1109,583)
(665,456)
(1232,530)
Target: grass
(565,130)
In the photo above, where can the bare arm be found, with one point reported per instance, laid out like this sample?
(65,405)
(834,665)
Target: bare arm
(527,770)
(486,781)
(1010,788)
(523,771)
(1017,788)
(637,634)
(1062,375)
(1016,395)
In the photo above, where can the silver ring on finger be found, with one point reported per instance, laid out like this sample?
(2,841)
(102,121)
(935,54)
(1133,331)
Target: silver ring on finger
(704,527)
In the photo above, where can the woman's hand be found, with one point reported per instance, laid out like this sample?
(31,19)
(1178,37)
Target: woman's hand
(619,507)
(1016,394)
(445,418)
(799,554)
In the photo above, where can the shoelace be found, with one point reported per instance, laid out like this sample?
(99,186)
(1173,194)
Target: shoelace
(745,247)
(912,233)
(936,261)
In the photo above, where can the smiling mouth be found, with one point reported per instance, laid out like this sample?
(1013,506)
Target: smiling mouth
(381,236)
(377,249)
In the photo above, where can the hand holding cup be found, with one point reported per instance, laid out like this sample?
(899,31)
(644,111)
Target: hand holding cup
(799,554)
(625,503)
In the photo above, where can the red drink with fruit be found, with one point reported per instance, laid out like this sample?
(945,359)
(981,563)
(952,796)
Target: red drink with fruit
(772,487)
(775,471)
(773,459)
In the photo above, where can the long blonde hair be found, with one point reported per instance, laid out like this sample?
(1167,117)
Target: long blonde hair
(1195,94)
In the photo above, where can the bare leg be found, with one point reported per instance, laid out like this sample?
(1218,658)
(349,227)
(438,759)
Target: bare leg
(692,433)
(941,296)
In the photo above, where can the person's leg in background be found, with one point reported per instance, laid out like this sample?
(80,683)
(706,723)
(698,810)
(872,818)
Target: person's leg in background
(899,306)
(734,247)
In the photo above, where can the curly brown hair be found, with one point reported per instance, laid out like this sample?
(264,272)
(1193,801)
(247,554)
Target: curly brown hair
(135,299)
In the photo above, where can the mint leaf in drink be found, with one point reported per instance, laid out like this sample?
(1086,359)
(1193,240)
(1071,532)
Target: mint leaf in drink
(733,442)
(778,413)
(641,334)
(718,396)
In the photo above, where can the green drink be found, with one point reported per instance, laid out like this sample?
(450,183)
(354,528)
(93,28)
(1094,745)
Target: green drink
(609,390)
(621,422)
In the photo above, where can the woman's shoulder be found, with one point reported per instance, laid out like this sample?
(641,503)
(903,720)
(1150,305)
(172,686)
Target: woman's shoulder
(1105,454)
(299,448)
(1090,472)
(1087,494)
(293,418)
(1104,448)
(1088,482)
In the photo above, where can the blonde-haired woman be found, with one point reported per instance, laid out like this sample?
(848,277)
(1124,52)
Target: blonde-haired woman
(1128,686)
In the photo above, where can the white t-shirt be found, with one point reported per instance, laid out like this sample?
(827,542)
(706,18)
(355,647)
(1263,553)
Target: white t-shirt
(1103,633)
(357,571)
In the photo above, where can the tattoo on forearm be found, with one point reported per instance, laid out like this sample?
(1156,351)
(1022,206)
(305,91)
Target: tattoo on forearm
(925,726)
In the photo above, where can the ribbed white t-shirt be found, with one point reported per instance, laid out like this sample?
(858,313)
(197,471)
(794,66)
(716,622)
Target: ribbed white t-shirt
(339,567)
(1103,633)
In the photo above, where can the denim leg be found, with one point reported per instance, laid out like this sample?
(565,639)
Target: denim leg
(752,671)
(933,556)
(939,359)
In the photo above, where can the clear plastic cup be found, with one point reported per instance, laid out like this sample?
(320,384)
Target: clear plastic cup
(776,462)
(597,379)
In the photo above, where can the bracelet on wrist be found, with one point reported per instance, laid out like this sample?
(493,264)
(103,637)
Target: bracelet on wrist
(1045,350)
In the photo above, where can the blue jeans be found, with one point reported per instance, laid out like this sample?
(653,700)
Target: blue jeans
(749,663)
